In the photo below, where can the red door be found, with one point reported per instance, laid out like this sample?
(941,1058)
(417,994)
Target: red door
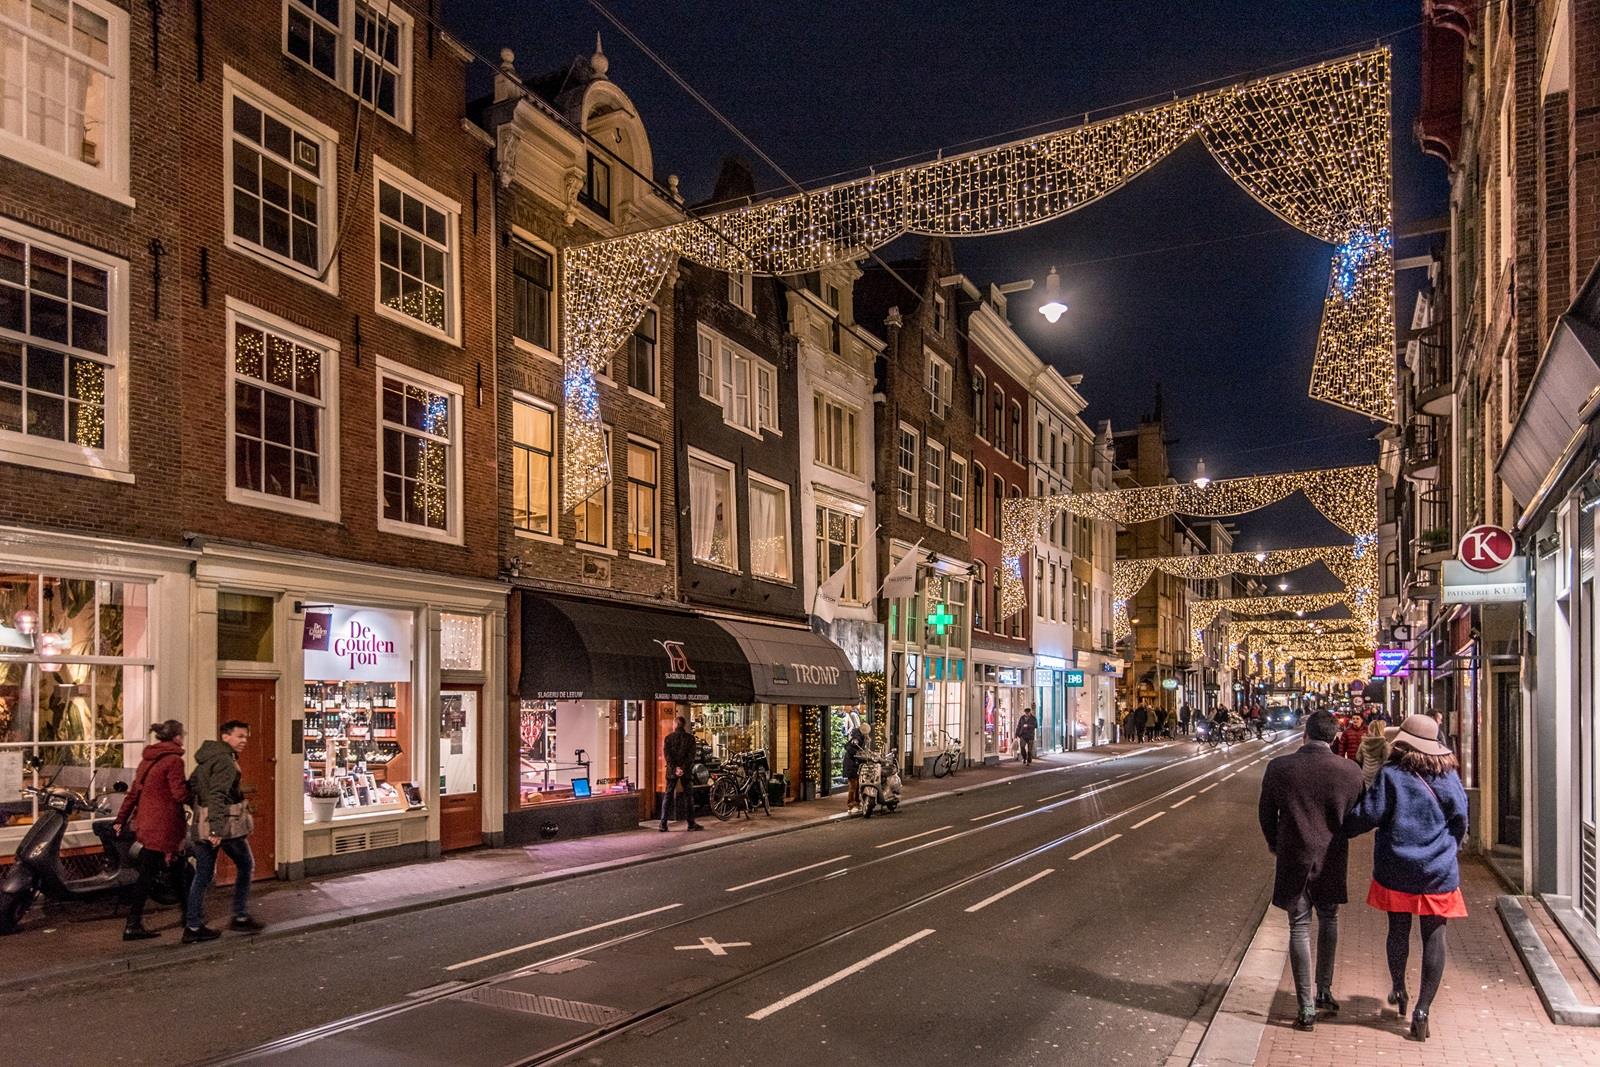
(255,702)
(460,768)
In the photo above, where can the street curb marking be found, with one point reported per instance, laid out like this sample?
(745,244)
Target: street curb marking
(1233,1037)
(837,976)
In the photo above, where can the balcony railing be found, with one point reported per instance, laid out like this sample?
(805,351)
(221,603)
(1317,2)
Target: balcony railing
(1434,377)
(1421,457)
(1433,535)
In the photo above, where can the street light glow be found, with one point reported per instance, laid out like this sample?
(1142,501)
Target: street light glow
(1052,308)
(1201,479)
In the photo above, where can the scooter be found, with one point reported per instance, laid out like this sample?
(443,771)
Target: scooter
(880,782)
(38,866)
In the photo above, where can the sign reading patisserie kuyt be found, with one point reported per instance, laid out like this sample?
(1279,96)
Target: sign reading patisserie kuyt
(357,644)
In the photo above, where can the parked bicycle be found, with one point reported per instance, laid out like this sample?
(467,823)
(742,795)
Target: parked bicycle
(947,761)
(739,784)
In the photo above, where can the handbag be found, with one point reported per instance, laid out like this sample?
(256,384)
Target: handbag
(237,822)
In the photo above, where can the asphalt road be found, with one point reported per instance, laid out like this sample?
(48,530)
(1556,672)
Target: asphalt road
(1080,916)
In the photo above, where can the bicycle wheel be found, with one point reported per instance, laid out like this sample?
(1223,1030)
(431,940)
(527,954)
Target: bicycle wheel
(724,797)
(762,783)
(941,765)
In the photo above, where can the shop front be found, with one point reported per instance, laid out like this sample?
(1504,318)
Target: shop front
(1052,700)
(1002,692)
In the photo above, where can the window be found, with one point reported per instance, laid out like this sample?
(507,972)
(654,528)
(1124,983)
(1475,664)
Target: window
(63,361)
(281,187)
(280,381)
(64,90)
(420,433)
(741,290)
(906,472)
(838,543)
(708,366)
(533,467)
(745,386)
(1038,448)
(837,446)
(533,290)
(769,529)
(1039,604)
(767,397)
(713,526)
(596,192)
(956,521)
(980,484)
(363,47)
(644,463)
(936,383)
(592,519)
(832,297)
(980,390)
(933,485)
(999,434)
(416,253)
(941,311)
(642,355)
(997,518)
(997,620)
(1016,431)
(980,594)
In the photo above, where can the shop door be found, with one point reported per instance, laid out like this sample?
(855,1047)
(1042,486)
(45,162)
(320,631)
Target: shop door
(460,768)
(1508,770)
(254,701)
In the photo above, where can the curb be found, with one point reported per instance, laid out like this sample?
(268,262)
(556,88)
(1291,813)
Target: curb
(1233,1037)
(329,920)
(1555,992)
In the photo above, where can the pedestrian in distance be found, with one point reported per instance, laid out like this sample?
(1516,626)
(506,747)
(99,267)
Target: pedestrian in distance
(1160,723)
(1185,717)
(1027,726)
(153,812)
(1305,797)
(1351,738)
(222,824)
(1419,809)
(856,747)
(1374,751)
(1137,720)
(677,749)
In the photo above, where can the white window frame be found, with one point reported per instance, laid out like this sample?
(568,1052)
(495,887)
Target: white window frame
(725,351)
(753,479)
(451,534)
(706,365)
(384,172)
(732,473)
(655,355)
(528,399)
(941,314)
(937,382)
(608,512)
(741,291)
(978,493)
(653,447)
(236,85)
(110,181)
(109,462)
(915,470)
(328,458)
(344,53)
(955,504)
(766,377)
(849,433)
(854,578)
(933,511)
(518,234)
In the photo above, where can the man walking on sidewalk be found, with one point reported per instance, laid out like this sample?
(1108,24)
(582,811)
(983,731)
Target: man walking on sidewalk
(1305,797)
(222,823)
(678,752)
(1027,726)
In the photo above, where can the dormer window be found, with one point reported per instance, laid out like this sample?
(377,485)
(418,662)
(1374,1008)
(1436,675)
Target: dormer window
(596,193)
(940,312)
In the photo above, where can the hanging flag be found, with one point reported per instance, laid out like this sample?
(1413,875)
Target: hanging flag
(826,603)
(902,579)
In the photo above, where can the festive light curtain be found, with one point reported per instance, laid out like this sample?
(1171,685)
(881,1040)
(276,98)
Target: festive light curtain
(1312,145)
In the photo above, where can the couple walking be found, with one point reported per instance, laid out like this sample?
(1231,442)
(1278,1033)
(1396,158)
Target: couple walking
(1313,801)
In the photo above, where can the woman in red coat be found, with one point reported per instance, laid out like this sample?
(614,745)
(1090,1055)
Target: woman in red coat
(154,808)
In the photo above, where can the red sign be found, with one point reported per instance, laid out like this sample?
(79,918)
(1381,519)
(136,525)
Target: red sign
(1486,548)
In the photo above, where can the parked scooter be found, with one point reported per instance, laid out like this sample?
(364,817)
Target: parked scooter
(880,781)
(38,866)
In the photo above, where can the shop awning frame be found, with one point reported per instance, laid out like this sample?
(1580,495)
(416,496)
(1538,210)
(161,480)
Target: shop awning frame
(789,665)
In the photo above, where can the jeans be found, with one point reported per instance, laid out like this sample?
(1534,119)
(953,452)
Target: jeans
(1300,948)
(205,869)
(1025,749)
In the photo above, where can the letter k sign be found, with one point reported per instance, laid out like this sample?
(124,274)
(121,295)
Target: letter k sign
(1486,548)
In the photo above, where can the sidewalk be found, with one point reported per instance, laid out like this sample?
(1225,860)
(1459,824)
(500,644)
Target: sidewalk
(59,942)
(1487,1011)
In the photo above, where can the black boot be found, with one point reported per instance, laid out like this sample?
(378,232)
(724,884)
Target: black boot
(1326,1003)
(1306,1020)
(135,931)
(1419,1025)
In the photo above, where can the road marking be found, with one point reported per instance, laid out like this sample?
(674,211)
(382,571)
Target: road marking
(1182,802)
(1053,796)
(986,901)
(1091,848)
(1151,819)
(712,945)
(837,976)
(1210,787)
(834,874)
(560,937)
(913,837)
(1225,777)
(992,814)
(785,874)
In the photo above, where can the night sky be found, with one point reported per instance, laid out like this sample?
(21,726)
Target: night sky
(1179,278)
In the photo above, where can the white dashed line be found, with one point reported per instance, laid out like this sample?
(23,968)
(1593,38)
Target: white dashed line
(913,837)
(785,874)
(1151,819)
(1210,787)
(837,976)
(1182,802)
(1054,796)
(992,814)
(986,901)
(1091,848)
(560,937)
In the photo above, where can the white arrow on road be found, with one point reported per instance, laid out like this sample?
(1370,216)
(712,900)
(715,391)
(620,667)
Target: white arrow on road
(712,945)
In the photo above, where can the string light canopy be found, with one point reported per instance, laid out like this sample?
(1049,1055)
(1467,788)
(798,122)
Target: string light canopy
(1311,145)
(1361,603)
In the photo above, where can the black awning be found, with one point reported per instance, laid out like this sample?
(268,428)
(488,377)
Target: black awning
(1567,376)
(588,649)
(792,666)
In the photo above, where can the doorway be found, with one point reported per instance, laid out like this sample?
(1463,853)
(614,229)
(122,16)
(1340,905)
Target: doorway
(254,701)
(460,768)
(1508,758)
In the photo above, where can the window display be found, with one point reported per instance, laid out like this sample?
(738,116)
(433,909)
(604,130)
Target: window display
(356,735)
(566,743)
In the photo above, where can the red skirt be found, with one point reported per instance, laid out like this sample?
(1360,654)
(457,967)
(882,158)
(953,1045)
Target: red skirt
(1451,905)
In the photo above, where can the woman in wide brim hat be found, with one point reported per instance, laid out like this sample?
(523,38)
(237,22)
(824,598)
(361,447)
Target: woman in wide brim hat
(1419,808)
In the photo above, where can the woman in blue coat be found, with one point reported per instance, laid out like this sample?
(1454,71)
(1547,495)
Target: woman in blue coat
(1419,809)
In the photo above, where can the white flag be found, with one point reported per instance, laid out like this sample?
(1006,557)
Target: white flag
(829,592)
(902,578)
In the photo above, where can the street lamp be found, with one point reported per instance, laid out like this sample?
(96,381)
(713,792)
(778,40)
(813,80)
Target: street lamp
(1201,479)
(1052,308)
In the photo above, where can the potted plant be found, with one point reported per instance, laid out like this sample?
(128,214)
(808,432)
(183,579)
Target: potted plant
(324,798)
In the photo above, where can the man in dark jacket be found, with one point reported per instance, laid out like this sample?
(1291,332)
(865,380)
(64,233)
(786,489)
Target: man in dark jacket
(1027,726)
(859,742)
(1305,797)
(678,751)
(1137,721)
(214,788)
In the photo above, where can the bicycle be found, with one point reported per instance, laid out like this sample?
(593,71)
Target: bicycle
(947,761)
(739,784)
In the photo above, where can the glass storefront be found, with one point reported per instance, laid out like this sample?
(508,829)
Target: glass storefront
(1003,694)
(578,748)
(842,720)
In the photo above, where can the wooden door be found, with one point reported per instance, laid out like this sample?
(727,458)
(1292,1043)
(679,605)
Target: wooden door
(254,701)
(460,768)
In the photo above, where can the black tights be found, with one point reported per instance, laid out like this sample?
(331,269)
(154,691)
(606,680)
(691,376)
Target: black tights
(1433,954)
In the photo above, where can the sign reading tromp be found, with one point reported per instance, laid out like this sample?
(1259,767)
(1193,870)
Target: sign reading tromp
(357,644)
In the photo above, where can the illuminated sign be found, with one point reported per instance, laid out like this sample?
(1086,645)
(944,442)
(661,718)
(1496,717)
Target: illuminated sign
(1391,663)
(1074,678)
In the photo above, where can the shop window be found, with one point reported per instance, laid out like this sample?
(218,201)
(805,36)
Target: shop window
(644,462)
(244,628)
(533,294)
(769,530)
(592,519)
(838,542)
(713,525)
(75,684)
(533,471)
(421,460)
(576,748)
(956,516)
(460,642)
(281,381)
(417,234)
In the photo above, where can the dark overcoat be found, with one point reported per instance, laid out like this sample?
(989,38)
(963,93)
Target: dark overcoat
(1305,797)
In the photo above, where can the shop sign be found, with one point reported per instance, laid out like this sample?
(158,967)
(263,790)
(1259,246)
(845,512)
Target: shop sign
(1108,667)
(680,674)
(1009,676)
(1486,548)
(1169,683)
(1391,663)
(1506,584)
(1074,679)
(1054,663)
(357,644)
